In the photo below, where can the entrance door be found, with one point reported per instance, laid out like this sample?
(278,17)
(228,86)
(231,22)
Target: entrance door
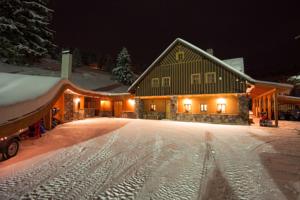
(168,109)
(118,108)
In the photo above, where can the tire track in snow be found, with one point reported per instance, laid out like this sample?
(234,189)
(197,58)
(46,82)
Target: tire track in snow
(135,175)
(59,186)
(24,180)
(96,180)
(179,175)
(239,170)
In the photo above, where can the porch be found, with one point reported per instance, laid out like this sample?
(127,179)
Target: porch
(270,98)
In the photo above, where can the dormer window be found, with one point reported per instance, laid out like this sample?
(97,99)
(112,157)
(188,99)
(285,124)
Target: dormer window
(166,81)
(155,82)
(210,77)
(195,79)
(179,55)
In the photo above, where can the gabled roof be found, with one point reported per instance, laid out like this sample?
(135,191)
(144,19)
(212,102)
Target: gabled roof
(209,56)
(197,49)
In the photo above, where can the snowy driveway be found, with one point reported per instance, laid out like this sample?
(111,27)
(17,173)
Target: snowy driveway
(146,159)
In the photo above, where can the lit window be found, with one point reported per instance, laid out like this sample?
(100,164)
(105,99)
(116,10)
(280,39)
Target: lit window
(187,108)
(221,108)
(203,107)
(179,55)
(187,103)
(195,79)
(166,81)
(155,82)
(210,77)
(152,107)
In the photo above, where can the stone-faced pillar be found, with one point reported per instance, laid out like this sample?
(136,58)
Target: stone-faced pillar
(174,107)
(244,107)
(139,107)
(68,107)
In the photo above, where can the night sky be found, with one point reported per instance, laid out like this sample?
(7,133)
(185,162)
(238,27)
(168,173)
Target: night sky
(262,33)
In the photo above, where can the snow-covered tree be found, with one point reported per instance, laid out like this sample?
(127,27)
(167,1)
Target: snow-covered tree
(77,58)
(10,34)
(294,79)
(122,70)
(24,30)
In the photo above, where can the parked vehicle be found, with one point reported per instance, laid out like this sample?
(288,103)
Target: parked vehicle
(9,145)
(264,121)
(290,115)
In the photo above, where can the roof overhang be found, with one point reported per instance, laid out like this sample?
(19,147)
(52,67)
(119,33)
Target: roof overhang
(283,99)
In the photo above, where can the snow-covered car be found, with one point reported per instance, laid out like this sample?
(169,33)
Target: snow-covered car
(9,145)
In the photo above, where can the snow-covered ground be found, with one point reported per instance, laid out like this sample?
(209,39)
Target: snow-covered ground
(145,159)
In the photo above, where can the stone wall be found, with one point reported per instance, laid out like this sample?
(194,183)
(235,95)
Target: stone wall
(105,114)
(139,108)
(154,115)
(131,115)
(68,107)
(212,118)
(243,107)
(174,107)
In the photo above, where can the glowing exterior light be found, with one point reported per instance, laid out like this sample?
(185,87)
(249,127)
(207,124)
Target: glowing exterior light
(131,102)
(221,101)
(187,101)
(77,100)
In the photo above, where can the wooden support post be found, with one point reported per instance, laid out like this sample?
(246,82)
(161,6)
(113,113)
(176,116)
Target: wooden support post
(253,106)
(269,107)
(275,97)
(259,106)
(264,104)
(48,120)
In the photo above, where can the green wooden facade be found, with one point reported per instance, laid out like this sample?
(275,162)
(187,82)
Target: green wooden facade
(179,63)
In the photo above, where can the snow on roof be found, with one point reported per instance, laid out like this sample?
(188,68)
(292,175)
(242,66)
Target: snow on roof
(17,88)
(197,49)
(82,77)
(21,94)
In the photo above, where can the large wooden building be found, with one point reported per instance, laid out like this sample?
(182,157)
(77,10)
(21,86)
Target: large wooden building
(186,83)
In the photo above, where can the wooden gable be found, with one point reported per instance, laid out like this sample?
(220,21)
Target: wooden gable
(180,71)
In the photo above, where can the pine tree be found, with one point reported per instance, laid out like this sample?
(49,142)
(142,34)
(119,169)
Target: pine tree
(77,58)
(122,70)
(10,34)
(24,30)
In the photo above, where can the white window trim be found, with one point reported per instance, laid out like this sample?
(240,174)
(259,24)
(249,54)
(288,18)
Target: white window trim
(152,82)
(204,106)
(198,74)
(163,82)
(206,77)
(180,55)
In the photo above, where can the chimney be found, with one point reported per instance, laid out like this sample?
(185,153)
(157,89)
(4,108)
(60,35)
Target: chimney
(66,64)
(210,51)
